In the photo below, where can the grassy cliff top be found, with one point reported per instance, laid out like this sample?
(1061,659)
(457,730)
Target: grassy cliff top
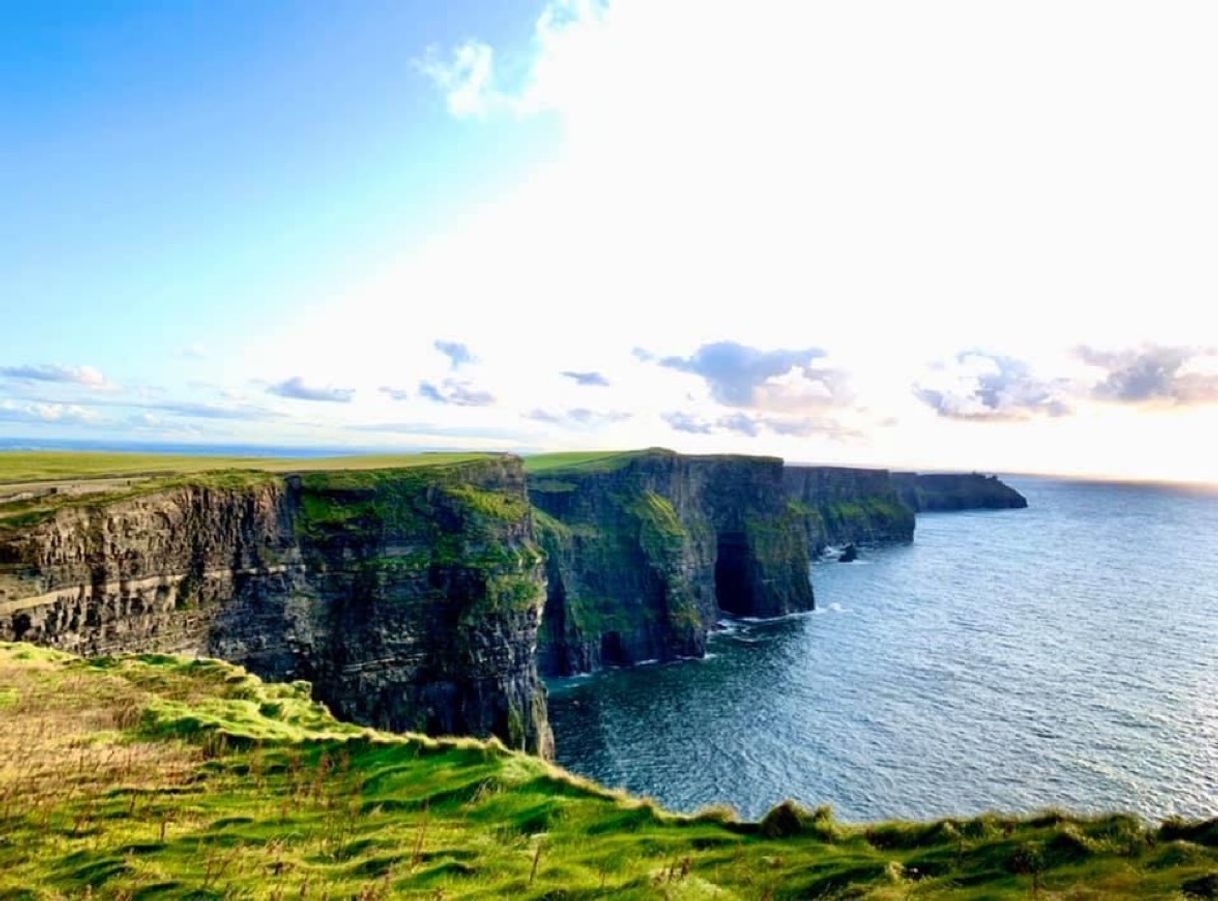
(41,466)
(609,461)
(585,461)
(154,776)
(33,485)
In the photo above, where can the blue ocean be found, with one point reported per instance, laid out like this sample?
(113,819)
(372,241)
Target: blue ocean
(1065,655)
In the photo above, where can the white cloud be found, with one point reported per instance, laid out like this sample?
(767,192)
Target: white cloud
(891,182)
(46,413)
(86,376)
(568,36)
(467,78)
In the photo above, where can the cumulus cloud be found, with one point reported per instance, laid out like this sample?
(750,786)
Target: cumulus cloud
(296,389)
(981,386)
(472,82)
(47,413)
(72,375)
(458,354)
(451,391)
(579,417)
(1154,374)
(734,372)
(741,424)
(466,78)
(776,380)
(394,393)
(683,422)
(589,379)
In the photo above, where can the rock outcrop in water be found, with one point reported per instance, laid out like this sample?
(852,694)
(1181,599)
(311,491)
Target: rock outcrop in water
(647,550)
(410,598)
(955,491)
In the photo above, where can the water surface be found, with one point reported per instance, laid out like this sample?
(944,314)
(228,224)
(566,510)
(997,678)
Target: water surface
(1062,655)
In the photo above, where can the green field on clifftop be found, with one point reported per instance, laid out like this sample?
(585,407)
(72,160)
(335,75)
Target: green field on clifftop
(154,776)
(40,466)
(586,461)
(33,484)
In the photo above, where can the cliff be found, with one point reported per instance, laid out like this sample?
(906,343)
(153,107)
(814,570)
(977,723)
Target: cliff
(409,597)
(425,594)
(839,505)
(646,550)
(955,491)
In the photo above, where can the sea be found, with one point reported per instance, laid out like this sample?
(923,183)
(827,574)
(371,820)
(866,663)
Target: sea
(1062,656)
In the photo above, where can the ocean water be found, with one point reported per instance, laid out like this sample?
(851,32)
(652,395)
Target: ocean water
(1064,655)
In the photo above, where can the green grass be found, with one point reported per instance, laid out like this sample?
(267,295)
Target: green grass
(92,479)
(583,461)
(160,777)
(154,776)
(38,466)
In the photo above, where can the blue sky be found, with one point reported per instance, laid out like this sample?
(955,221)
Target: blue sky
(169,165)
(944,235)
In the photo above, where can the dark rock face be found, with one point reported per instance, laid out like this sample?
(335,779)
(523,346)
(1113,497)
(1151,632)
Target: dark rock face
(646,552)
(839,505)
(850,553)
(411,598)
(956,491)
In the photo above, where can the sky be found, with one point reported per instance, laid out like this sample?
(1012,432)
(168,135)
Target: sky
(943,235)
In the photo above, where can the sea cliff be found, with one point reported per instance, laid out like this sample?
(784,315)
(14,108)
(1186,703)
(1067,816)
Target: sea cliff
(932,492)
(410,597)
(840,505)
(431,593)
(647,550)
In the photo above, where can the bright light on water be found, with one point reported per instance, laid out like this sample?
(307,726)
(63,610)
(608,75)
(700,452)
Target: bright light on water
(1062,655)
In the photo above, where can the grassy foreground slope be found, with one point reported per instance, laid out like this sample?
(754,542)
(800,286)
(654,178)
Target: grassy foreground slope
(156,776)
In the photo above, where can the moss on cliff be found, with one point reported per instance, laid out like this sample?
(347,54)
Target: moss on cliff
(636,542)
(660,532)
(456,520)
(158,777)
(840,505)
(852,517)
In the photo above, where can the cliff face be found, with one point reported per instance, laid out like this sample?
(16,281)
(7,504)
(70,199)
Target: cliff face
(956,491)
(411,598)
(838,505)
(645,551)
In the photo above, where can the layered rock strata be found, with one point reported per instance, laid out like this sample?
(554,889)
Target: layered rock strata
(410,598)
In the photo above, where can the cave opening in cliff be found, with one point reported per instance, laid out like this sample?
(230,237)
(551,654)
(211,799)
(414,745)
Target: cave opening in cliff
(733,591)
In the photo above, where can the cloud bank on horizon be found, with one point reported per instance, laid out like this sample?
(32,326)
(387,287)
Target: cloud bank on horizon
(948,236)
